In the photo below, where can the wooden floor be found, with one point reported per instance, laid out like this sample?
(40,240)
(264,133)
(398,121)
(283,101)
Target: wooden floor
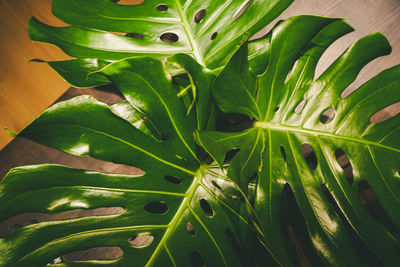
(26,89)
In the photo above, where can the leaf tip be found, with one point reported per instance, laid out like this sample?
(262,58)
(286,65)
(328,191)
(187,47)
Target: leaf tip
(10,132)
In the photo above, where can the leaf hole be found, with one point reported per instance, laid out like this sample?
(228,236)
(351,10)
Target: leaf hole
(141,241)
(348,91)
(300,106)
(386,113)
(96,253)
(198,17)
(374,207)
(128,2)
(344,162)
(190,229)
(206,207)
(135,35)
(277,108)
(55,261)
(10,225)
(216,185)
(243,9)
(172,179)
(162,8)
(309,156)
(156,207)
(213,36)
(197,260)
(283,152)
(327,116)
(169,37)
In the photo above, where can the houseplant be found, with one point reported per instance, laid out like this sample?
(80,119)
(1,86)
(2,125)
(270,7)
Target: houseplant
(213,193)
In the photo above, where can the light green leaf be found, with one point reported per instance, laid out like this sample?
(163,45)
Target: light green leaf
(305,147)
(188,209)
(210,38)
(174,206)
(210,31)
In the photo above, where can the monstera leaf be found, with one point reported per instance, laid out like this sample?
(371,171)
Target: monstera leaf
(210,31)
(298,172)
(183,210)
(323,170)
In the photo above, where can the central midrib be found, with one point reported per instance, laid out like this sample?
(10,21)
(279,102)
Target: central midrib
(272,126)
(190,36)
(184,204)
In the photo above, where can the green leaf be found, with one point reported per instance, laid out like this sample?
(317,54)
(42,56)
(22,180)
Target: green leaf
(68,189)
(231,21)
(200,82)
(154,97)
(81,73)
(210,31)
(245,163)
(293,181)
(258,51)
(126,111)
(304,147)
(236,77)
(188,208)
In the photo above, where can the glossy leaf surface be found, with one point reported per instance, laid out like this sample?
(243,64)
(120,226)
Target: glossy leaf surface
(309,170)
(210,31)
(187,212)
(327,178)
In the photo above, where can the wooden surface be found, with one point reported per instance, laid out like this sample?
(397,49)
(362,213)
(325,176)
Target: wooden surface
(26,89)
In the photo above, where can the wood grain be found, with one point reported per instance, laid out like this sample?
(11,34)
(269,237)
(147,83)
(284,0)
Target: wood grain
(26,89)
